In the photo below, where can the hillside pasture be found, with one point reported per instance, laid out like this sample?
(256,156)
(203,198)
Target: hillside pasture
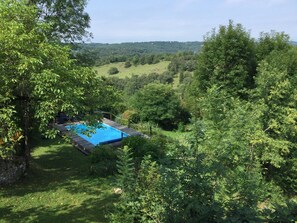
(136,70)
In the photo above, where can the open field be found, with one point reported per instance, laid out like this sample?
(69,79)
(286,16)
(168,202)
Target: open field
(138,70)
(58,188)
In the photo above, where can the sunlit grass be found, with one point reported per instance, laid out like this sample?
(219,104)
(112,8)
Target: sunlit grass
(137,70)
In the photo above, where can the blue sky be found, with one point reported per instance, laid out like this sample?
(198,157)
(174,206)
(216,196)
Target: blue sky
(115,21)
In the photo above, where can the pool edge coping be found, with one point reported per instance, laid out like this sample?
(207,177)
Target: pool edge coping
(86,147)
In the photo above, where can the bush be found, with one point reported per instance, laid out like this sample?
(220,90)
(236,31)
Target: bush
(103,161)
(140,147)
(131,116)
(113,70)
(128,64)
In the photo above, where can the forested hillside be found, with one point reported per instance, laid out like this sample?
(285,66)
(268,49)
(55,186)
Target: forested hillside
(157,47)
(119,52)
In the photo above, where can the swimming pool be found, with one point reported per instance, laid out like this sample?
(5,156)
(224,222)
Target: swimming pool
(104,135)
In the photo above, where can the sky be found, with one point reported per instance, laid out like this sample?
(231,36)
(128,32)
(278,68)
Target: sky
(116,21)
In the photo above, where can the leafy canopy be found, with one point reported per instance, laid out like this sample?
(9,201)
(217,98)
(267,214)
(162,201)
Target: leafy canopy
(227,59)
(67,19)
(157,103)
(38,79)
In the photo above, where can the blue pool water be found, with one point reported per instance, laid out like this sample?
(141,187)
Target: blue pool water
(105,134)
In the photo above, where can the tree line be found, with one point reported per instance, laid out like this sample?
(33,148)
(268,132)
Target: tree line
(137,53)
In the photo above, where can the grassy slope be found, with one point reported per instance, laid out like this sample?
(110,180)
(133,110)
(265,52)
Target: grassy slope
(127,72)
(181,137)
(57,189)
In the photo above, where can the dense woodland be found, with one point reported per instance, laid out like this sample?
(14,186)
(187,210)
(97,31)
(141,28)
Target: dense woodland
(235,96)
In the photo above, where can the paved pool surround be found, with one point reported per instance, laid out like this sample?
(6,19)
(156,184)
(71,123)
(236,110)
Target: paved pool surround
(86,147)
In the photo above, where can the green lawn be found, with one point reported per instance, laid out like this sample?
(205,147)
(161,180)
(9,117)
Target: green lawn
(57,188)
(127,72)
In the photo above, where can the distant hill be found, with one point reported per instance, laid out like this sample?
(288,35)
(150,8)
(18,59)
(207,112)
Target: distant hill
(294,43)
(100,53)
(140,48)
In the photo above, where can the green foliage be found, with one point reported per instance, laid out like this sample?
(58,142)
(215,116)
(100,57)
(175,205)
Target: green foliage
(137,82)
(227,59)
(39,78)
(103,161)
(125,208)
(83,57)
(188,191)
(125,167)
(143,201)
(182,62)
(128,64)
(269,42)
(157,103)
(225,163)
(10,135)
(240,162)
(67,19)
(149,188)
(276,86)
(284,211)
(113,70)
(155,147)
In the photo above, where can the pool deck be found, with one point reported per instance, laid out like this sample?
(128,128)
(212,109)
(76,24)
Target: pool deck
(86,147)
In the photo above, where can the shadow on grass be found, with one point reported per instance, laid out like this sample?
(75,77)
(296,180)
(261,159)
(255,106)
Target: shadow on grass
(89,211)
(61,189)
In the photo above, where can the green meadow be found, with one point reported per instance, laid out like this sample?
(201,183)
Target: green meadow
(137,70)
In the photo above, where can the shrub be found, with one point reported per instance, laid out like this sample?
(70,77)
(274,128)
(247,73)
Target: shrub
(131,115)
(140,147)
(113,70)
(103,161)
(128,64)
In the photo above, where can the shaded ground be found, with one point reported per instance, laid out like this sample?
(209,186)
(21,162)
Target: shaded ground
(57,188)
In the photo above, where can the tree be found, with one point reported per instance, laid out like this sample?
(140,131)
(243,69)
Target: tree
(269,42)
(9,132)
(141,198)
(227,59)
(128,64)
(276,85)
(67,19)
(38,78)
(227,139)
(157,103)
(113,70)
